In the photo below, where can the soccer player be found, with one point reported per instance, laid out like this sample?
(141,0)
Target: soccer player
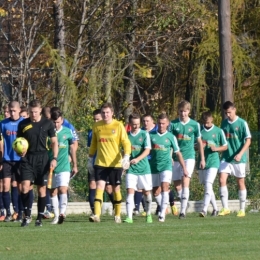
(10,161)
(138,176)
(108,136)
(187,131)
(91,175)
(233,161)
(214,141)
(163,143)
(24,112)
(35,163)
(62,174)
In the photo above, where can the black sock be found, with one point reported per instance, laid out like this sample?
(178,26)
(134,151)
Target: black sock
(111,197)
(26,201)
(138,198)
(171,198)
(41,207)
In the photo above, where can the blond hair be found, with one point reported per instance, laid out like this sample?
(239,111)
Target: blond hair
(184,104)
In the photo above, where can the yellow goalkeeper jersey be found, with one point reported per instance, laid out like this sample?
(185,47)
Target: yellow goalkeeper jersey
(106,142)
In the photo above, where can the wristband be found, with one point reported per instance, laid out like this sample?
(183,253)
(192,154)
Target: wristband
(55,158)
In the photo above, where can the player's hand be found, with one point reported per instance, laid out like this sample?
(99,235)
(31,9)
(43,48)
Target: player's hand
(185,172)
(73,172)
(126,162)
(214,148)
(53,164)
(22,154)
(202,164)
(134,161)
(238,157)
(90,166)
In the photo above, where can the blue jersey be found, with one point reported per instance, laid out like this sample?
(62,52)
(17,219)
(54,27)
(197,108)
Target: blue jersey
(8,128)
(155,129)
(67,124)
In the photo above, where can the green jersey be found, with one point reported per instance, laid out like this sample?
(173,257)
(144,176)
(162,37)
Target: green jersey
(65,139)
(213,136)
(139,142)
(162,144)
(236,133)
(185,134)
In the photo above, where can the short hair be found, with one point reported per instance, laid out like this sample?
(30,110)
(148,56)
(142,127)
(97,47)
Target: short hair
(96,112)
(147,115)
(56,114)
(5,107)
(46,111)
(35,103)
(184,104)
(13,104)
(205,115)
(228,104)
(134,116)
(24,109)
(163,116)
(107,105)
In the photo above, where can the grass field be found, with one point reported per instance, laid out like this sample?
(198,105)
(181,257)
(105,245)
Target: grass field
(226,237)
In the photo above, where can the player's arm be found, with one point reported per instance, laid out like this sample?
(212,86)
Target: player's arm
(55,151)
(201,152)
(1,149)
(73,154)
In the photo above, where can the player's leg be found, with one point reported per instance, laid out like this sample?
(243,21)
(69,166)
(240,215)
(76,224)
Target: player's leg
(109,191)
(176,178)
(15,197)
(25,187)
(115,180)
(137,200)
(131,187)
(240,173)
(48,212)
(54,202)
(92,190)
(2,209)
(157,191)
(31,197)
(224,171)
(101,174)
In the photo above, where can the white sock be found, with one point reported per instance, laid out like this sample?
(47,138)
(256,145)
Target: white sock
(148,203)
(55,205)
(158,199)
(63,203)
(185,199)
(223,192)
(130,205)
(242,198)
(179,194)
(164,204)
(207,195)
(213,201)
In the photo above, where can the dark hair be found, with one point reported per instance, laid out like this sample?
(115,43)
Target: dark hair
(24,109)
(96,112)
(56,114)
(163,116)
(35,103)
(133,116)
(46,111)
(147,115)
(108,105)
(228,104)
(205,115)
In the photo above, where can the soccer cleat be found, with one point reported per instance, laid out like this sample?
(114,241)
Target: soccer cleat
(241,213)
(2,218)
(161,219)
(149,219)
(94,218)
(38,223)
(55,221)
(8,218)
(25,222)
(158,209)
(128,220)
(203,214)
(182,216)
(214,213)
(144,214)
(224,212)
(174,210)
(14,216)
(136,212)
(118,219)
(61,218)
(30,219)
(47,214)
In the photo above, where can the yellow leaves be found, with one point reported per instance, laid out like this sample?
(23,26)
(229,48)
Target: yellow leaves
(3,13)
(121,55)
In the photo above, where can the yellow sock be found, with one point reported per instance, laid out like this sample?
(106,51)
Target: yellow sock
(98,202)
(117,203)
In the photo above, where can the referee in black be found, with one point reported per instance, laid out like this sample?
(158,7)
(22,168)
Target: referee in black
(35,163)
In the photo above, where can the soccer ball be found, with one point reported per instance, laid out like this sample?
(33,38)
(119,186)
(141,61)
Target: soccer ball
(20,145)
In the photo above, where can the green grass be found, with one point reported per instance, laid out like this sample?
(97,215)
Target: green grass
(226,237)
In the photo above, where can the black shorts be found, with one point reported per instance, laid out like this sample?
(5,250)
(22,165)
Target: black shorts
(35,168)
(91,177)
(11,170)
(110,175)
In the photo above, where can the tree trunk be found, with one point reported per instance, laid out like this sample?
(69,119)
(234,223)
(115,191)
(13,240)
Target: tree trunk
(225,52)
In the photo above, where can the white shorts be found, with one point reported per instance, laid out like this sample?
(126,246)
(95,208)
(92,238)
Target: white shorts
(177,171)
(164,176)
(60,179)
(139,182)
(208,175)
(236,169)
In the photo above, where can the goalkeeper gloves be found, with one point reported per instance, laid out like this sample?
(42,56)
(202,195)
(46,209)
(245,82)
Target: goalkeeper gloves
(126,162)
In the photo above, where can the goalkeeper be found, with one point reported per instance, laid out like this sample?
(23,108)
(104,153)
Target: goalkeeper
(107,137)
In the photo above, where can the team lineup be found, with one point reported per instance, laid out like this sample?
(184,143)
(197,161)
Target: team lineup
(153,154)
